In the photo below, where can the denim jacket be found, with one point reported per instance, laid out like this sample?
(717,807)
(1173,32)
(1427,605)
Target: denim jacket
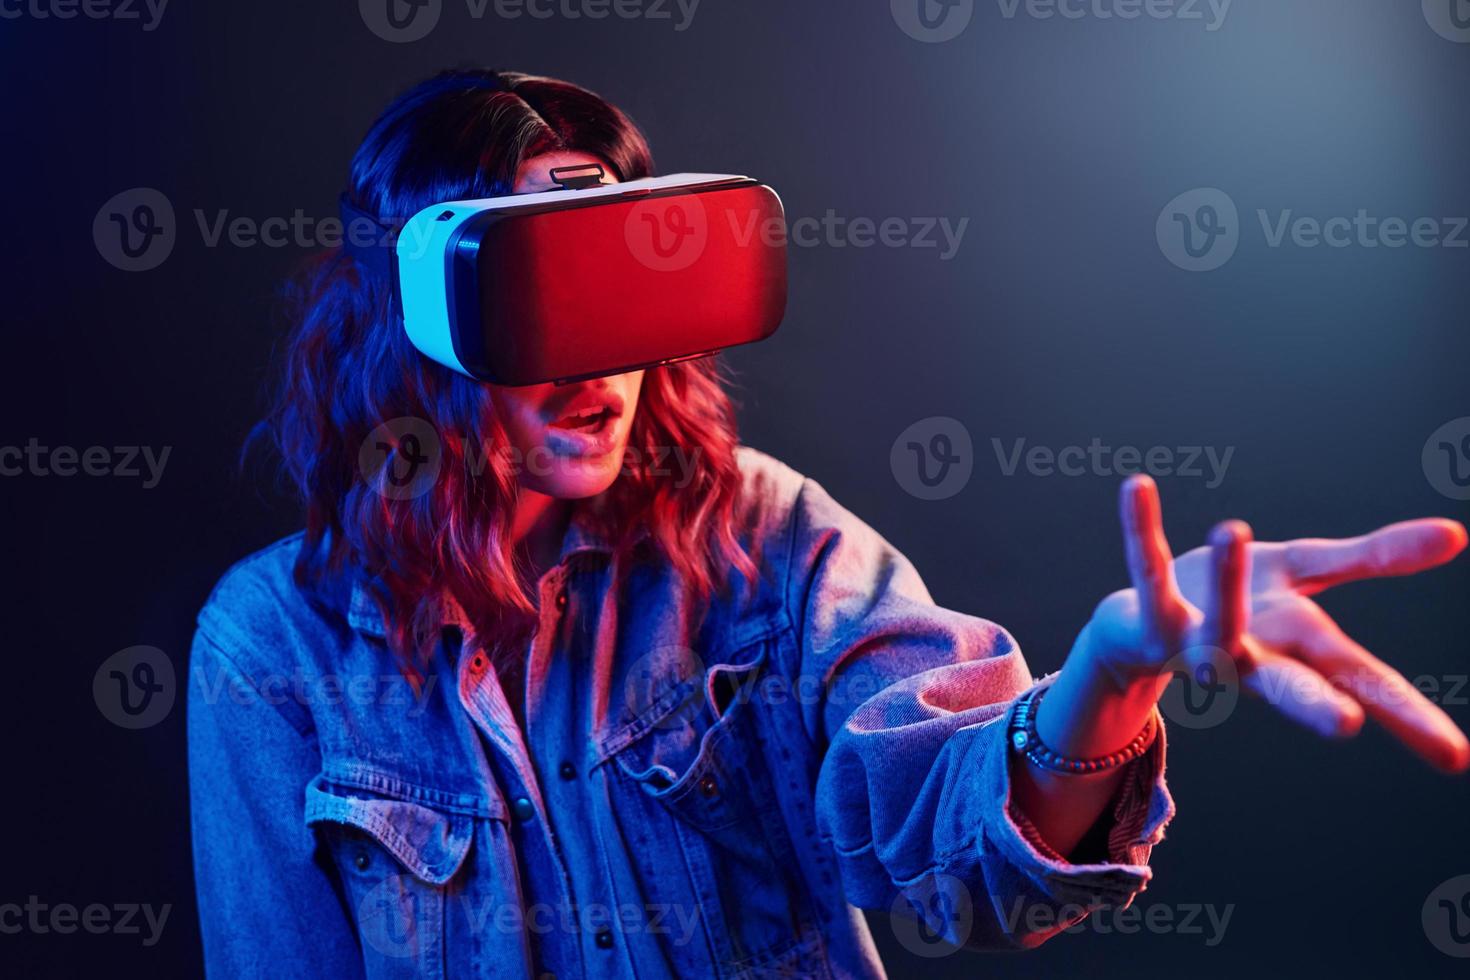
(693,796)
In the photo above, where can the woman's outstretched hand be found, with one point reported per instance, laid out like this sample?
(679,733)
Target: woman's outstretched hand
(1243,605)
(1250,601)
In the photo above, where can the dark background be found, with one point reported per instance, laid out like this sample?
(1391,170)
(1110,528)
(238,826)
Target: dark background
(1059,320)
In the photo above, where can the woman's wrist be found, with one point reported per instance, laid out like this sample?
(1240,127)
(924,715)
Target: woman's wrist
(1092,708)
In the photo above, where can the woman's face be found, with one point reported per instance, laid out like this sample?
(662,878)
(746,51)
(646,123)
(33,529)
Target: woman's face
(567,440)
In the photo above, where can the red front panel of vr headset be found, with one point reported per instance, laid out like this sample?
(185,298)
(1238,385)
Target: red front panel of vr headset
(582,290)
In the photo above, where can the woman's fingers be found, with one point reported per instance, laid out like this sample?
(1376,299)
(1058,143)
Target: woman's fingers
(1314,564)
(1385,694)
(1336,683)
(1302,694)
(1163,610)
(1228,594)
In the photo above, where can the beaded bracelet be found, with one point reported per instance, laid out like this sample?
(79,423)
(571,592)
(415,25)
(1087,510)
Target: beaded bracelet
(1025,740)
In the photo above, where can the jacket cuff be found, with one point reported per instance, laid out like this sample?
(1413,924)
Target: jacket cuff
(1141,812)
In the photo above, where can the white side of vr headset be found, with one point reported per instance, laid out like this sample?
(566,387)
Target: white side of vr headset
(424,280)
(425,271)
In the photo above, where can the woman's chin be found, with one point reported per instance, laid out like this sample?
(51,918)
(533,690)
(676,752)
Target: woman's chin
(576,477)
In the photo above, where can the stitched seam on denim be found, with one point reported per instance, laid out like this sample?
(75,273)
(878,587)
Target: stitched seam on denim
(676,694)
(711,942)
(793,523)
(402,791)
(808,940)
(667,703)
(342,811)
(251,559)
(819,738)
(1064,869)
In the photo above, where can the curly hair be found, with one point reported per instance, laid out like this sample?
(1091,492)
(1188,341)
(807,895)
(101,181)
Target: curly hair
(348,368)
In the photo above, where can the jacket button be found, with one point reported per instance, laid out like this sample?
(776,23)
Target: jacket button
(523,809)
(361,860)
(709,787)
(604,939)
(477,662)
(567,771)
(561,599)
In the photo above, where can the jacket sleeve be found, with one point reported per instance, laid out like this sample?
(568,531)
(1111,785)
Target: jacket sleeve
(265,907)
(913,792)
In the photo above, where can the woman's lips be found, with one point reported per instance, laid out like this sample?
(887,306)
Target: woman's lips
(587,418)
(585,431)
(585,423)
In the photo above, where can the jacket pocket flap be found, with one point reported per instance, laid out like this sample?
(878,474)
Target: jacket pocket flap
(430,843)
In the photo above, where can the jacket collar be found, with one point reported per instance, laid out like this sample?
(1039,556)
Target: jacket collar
(586,535)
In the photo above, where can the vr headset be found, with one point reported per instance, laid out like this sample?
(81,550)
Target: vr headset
(585,280)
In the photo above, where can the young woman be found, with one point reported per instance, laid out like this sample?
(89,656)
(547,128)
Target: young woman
(574,711)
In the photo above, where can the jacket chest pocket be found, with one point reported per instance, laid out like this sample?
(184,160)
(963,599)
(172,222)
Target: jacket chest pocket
(396,859)
(698,778)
